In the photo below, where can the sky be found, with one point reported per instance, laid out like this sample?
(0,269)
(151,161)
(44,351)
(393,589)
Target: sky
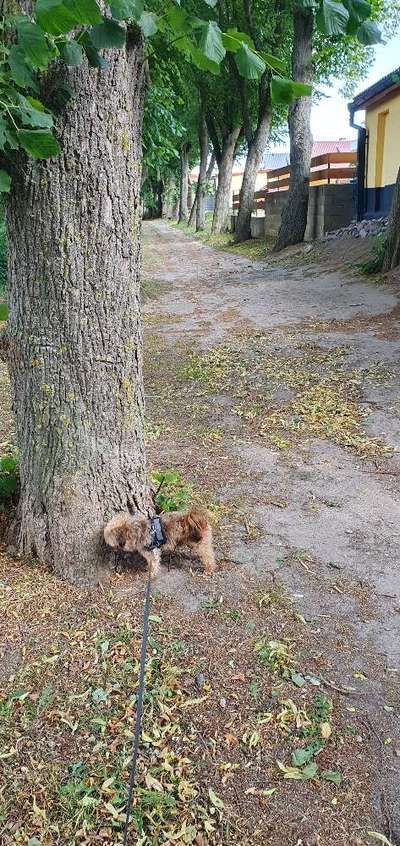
(330,117)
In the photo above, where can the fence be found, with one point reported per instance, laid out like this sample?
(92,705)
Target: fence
(325,170)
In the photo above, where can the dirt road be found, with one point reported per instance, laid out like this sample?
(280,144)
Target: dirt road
(276,388)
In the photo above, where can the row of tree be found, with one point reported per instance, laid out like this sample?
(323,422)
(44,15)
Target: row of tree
(73,79)
(218,118)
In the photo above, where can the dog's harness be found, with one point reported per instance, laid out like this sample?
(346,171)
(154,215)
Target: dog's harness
(157,534)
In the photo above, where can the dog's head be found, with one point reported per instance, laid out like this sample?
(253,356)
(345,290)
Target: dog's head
(126,533)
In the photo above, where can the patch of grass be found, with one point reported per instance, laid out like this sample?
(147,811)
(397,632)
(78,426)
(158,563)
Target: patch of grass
(374,263)
(9,476)
(325,394)
(255,248)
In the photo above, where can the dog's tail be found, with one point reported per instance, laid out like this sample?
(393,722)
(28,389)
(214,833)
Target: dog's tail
(198,521)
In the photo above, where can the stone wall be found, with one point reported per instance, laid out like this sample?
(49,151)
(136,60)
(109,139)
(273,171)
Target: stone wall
(330,207)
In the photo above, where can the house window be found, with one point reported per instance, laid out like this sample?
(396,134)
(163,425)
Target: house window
(380,147)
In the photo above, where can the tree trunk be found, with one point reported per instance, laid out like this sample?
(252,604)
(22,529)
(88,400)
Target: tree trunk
(184,184)
(294,216)
(223,196)
(392,251)
(203,143)
(208,176)
(74,332)
(253,162)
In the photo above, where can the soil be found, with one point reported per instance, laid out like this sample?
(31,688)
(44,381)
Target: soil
(273,387)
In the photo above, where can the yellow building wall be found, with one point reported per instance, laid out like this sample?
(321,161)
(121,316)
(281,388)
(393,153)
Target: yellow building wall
(237,177)
(383,141)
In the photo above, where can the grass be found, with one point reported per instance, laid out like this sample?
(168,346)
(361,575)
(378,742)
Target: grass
(325,394)
(255,248)
(68,701)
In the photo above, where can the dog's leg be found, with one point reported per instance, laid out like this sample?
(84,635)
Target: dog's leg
(153,559)
(205,551)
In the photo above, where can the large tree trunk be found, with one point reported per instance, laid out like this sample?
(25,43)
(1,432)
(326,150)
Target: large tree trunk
(220,221)
(184,183)
(294,216)
(253,162)
(392,251)
(74,335)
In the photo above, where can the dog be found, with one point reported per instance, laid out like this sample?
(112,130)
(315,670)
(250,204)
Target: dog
(191,528)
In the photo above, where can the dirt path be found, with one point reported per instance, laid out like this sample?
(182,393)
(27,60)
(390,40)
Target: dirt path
(321,511)
(272,699)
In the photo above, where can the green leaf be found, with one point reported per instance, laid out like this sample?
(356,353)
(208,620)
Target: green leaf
(202,62)
(84,11)
(108,34)
(272,62)
(210,41)
(332,17)
(148,23)
(38,143)
(284,91)
(8,485)
(21,72)
(359,10)
(332,775)
(8,464)
(5,185)
(297,678)
(99,695)
(125,10)
(302,756)
(33,113)
(211,3)
(92,54)
(310,771)
(369,33)
(72,53)
(33,42)
(53,16)
(248,63)
(215,800)
(179,20)
(307,4)
(232,40)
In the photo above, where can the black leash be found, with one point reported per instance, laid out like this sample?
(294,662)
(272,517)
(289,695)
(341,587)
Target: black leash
(139,710)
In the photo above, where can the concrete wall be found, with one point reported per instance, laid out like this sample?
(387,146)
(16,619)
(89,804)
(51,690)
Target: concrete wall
(389,144)
(330,207)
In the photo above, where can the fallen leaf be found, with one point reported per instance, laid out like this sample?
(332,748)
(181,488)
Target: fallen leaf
(326,730)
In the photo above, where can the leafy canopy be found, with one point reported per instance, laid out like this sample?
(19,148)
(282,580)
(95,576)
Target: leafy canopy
(73,31)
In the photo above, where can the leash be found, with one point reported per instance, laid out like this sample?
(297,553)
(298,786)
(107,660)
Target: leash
(139,710)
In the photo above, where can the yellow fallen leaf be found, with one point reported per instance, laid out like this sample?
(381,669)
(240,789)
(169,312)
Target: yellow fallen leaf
(326,730)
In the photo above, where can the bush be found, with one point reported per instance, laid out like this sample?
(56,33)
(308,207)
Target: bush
(173,494)
(9,477)
(375,263)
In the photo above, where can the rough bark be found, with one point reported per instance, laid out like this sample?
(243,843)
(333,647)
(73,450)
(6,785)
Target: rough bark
(203,143)
(294,216)
(208,176)
(253,161)
(184,183)
(74,331)
(392,251)
(221,221)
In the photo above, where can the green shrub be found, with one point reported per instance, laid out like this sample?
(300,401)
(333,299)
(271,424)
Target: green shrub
(9,476)
(375,262)
(173,493)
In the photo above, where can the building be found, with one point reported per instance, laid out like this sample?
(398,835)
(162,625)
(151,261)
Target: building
(272,161)
(378,144)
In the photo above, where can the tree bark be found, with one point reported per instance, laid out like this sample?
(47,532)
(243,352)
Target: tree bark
(294,216)
(200,193)
(74,333)
(253,162)
(392,250)
(208,176)
(220,221)
(184,183)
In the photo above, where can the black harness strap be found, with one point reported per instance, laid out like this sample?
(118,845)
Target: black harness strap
(139,710)
(157,534)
